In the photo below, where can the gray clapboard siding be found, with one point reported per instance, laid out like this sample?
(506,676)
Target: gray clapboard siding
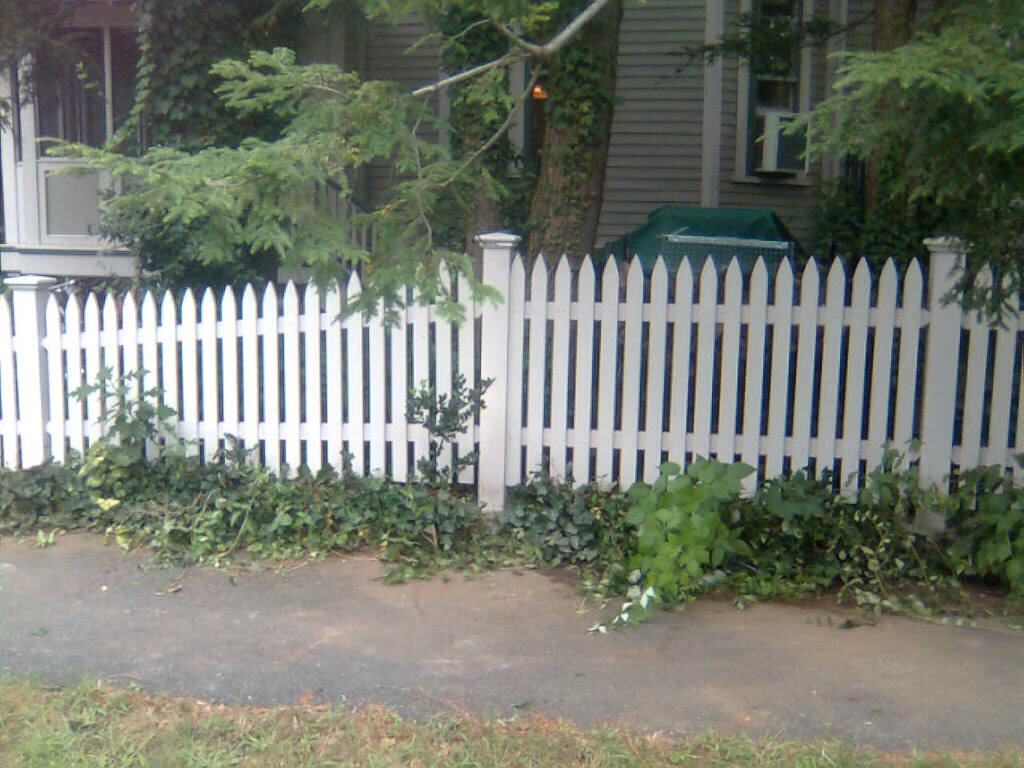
(793,201)
(389,56)
(654,156)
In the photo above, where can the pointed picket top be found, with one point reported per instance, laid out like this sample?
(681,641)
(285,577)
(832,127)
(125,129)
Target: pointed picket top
(110,318)
(73,312)
(332,302)
(684,282)
(733,282)
(168,307)
(610,277)
(783,278)
(563,281)
(270,302)
(109,303)
(130,324)
(129,309)
(291,300)
(248,299)
(229,305)
(353,287)
(92,310)
(659,278)
(586,267)
(208,305)
(759,280)
(836,277)
(983,281)
(810,283)
(635,274)
(148,305)
(913,284)
(311,299)
(887,283)
(709,282)
(518,270)
(861,295)
(734,271)
(188,307)
(539,281)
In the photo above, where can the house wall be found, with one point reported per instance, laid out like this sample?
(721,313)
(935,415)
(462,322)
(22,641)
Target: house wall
(335,37)
(655,153)
(791,199)
(655,157)
(388,57)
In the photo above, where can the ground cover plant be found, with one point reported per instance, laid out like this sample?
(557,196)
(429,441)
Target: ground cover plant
(90,725)
(689,533)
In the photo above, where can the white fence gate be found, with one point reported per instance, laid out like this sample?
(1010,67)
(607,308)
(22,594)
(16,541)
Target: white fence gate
(593,378)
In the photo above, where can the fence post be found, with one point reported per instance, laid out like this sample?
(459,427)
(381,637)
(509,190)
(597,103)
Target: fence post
(498,248)
(28,301)
(942,354)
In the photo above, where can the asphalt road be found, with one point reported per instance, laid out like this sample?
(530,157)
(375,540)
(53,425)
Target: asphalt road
(501,644)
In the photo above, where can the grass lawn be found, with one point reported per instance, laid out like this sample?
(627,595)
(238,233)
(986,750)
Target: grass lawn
(97,726)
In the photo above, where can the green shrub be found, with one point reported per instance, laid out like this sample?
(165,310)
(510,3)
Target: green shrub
(684,526)
(557,523)
(985,533)
(46,496)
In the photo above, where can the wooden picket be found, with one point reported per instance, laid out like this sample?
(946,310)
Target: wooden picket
(657,356)
(55,378)
(753,376)
(593,387)
(73,363)
(8,396)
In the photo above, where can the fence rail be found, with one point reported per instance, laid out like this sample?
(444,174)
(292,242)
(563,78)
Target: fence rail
(596,375)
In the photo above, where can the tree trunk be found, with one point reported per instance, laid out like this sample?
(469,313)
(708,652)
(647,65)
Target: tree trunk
(566,204)
(893,26)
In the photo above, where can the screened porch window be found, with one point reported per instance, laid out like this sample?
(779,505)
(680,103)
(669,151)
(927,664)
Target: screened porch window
(88,100)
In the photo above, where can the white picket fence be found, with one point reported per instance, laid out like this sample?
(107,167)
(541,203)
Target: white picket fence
(597,380)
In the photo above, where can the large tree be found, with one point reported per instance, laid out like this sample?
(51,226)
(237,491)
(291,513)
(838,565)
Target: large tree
(275,195)
(930,124)
(943,114)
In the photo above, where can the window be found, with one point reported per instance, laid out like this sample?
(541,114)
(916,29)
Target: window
(774,89)
(90,99)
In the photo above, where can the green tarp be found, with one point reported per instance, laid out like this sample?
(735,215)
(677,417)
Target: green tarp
(675,231)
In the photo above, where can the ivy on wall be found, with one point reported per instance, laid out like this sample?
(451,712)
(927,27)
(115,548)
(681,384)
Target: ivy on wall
(179,42)
(177,106)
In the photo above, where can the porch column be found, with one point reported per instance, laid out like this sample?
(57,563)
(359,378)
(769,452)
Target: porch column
(498,249)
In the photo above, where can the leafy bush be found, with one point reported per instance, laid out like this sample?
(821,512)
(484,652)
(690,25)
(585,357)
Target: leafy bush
(46,496)
(558,524)
(806,537)
(684,526)
(985,533)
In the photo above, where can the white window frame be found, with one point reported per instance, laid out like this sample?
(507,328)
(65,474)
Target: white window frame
(744,104)
(46,165)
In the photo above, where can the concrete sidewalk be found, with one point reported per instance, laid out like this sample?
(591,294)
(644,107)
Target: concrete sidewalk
(501,644)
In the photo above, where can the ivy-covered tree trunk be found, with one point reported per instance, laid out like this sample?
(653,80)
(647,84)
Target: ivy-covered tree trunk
(566,204)
(893,26)
(478,111)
